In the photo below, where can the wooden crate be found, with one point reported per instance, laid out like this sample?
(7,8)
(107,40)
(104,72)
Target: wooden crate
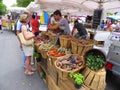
(100,43)
(41,70)
(69,85)
(44,54)
(36,46)
(52,37)
(65,41)
(51,84)
(92,34)
(52,59)
(52,71)
(81,49)
(74,46)
(95,80)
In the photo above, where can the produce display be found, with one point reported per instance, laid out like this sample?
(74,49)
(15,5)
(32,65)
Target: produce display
(84,41)
(46,47)
(57,52)
(69,63)
(95,60)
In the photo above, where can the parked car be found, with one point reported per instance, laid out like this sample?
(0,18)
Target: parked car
(113,58)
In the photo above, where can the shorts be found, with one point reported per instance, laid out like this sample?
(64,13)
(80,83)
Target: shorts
(28,50)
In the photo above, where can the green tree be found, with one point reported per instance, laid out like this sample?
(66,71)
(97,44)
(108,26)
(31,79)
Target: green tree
(23,3)
(2,8)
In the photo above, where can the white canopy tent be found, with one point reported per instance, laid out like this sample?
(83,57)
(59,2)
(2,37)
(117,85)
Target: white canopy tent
(16,9)
(81,7)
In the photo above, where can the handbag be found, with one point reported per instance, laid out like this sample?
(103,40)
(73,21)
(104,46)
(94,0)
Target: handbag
(24,41)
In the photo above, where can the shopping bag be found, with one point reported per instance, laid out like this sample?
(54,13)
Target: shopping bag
(24,41)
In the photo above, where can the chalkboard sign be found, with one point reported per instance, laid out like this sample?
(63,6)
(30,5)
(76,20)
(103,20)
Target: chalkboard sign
(96,18)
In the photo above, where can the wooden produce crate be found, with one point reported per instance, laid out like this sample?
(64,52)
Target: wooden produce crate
(64,74)
(52,72)
(95,80)
(100,43)
(51,84)
(80,46)
(92,34)
(44,54)
(43,63)
(74,45)
(36,46)
(52,59)
(44,48)
(37,66)
(69,85)
(65,41)
(52,38)
(40,70)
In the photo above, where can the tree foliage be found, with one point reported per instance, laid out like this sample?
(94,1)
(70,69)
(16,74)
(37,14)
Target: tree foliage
(23,3)
(2,8)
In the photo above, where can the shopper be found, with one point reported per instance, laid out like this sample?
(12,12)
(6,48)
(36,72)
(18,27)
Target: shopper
(1,24)
(102,25)
(4,23)
(34,23)
(82,32)
(62,24)
(9,21)
(28,50)
(18,30)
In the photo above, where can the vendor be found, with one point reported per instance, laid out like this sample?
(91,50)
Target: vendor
(82,32)
(61,25)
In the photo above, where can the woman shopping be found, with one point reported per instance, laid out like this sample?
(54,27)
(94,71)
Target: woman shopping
(27,49)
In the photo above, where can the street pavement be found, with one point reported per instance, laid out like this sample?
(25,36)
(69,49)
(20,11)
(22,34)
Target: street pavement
(12,75)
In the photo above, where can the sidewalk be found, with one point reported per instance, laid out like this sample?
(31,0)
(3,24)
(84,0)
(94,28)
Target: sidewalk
(12,75)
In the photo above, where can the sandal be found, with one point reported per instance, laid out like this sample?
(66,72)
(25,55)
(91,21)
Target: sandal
(29,73)
(33,69)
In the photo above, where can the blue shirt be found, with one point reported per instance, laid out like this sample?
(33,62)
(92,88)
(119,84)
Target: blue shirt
(19,26)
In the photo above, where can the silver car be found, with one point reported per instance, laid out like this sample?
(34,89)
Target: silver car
(113,58)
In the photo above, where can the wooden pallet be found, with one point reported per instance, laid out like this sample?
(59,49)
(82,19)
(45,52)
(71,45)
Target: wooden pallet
(51,84)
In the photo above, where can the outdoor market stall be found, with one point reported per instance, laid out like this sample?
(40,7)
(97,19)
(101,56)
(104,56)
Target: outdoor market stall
(70,56)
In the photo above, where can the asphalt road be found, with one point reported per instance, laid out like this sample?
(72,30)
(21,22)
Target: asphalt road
(12,75)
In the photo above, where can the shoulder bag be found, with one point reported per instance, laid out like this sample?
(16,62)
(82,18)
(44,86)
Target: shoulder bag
(24,41)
